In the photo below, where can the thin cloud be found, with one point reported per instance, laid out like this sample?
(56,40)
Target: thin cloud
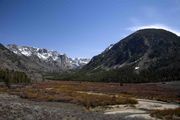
(156,26)
(151,12)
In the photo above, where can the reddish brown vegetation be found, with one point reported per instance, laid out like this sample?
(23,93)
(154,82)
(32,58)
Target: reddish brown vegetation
(114,93)
(158,91)
(167,114)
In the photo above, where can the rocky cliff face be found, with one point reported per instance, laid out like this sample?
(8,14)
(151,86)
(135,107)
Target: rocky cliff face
(53,61)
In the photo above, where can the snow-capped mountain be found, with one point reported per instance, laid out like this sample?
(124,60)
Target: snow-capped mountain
(50,57)
(79,62)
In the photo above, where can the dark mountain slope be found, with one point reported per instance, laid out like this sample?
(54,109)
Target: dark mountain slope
(144,48)
(148,55)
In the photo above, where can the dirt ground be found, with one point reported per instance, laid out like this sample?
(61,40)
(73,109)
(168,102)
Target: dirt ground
(13,107)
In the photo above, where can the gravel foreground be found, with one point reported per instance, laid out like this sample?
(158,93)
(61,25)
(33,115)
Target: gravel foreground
(14,108)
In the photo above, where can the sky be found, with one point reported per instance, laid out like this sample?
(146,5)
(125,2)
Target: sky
(82,28)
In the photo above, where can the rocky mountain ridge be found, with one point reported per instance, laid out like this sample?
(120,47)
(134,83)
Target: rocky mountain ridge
(36,62)
(48,56)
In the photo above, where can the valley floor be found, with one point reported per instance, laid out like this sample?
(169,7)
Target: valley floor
(36,107)
(15,108)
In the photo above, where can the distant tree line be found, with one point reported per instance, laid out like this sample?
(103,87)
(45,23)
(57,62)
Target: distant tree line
(125,75)
(11,76)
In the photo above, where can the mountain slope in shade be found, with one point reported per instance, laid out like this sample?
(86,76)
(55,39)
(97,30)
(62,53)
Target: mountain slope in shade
(145,52)
(141,48)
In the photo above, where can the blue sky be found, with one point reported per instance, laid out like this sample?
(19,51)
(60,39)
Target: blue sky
(82,28)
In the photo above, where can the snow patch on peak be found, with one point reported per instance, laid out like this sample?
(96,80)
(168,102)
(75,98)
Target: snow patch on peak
(79,61)
(108,48)
(43,56)
(26,53)
(136,68)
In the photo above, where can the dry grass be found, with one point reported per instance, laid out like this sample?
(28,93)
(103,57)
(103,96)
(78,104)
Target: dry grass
(93,100)
(71,93)
(167,114)
(111,93)
(3,89)
(66,95)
